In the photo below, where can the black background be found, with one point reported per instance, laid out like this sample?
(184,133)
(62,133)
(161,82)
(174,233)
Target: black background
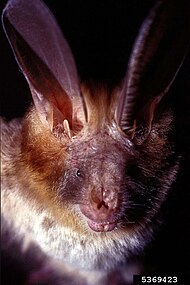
(101,34)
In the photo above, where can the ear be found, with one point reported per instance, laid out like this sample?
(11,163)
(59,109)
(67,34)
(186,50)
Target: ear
(157,55)
(46,61)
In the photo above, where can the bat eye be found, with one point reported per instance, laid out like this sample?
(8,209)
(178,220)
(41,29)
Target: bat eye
(78,173)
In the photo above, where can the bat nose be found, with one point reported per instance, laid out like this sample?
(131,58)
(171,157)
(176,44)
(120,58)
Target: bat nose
(103,200)
(102,211)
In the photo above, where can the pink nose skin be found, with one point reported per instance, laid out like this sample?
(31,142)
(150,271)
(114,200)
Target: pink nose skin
(101,212)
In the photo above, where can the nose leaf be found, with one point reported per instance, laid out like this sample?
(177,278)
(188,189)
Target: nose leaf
(103,199)
(97,198)
(102,210)
(110,198)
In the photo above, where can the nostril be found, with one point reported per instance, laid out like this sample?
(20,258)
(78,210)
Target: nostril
(96,198)
(100,201)
(102,204)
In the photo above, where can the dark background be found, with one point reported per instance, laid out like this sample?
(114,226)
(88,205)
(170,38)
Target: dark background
(101,34)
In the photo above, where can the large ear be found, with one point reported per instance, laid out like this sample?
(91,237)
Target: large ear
(157,55)
(46,61)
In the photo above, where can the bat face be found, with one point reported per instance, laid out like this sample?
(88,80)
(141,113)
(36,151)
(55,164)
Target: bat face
(116,182)
(96,188)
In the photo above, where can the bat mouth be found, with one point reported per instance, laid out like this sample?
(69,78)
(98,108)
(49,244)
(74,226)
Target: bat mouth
(102,226)
(101,220)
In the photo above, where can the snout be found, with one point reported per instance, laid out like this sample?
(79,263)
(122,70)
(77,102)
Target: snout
(102,210)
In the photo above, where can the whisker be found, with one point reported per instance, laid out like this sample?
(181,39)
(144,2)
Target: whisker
(138,205)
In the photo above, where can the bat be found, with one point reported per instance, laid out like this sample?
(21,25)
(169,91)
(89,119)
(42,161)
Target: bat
(86,171)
